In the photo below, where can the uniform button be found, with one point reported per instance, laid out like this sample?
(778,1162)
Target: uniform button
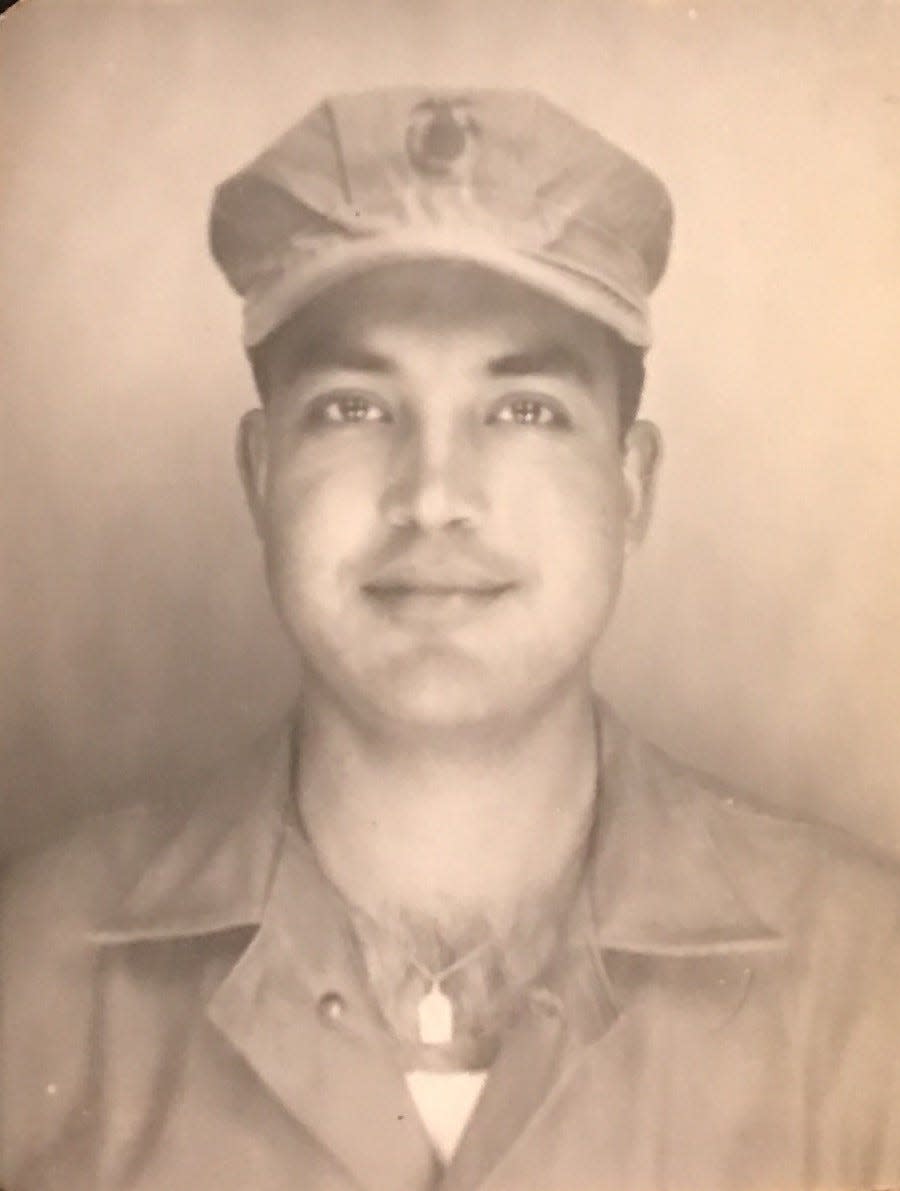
(332,1007)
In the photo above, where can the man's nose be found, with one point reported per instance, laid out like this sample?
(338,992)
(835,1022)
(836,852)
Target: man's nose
(435,480)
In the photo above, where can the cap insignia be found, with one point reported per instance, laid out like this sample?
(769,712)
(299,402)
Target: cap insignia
(440,136)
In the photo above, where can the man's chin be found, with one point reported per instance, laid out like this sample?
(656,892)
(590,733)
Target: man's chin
(434,693)
(440,696)
(442,683)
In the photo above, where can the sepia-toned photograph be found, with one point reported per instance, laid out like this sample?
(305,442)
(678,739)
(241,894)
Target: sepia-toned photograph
(450,602)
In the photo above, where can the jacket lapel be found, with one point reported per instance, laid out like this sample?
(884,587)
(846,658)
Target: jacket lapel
(561,1019)
(655,892)
(332,1071)
(238,859)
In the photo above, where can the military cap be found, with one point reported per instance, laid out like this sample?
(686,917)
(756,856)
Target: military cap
(503,179)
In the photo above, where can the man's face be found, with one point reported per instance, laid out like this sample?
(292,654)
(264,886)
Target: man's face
(444,493)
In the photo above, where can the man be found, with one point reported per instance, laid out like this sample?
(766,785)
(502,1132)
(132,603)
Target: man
(455,926)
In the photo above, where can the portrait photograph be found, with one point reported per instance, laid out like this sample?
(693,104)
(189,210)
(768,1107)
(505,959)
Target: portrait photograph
(450,603)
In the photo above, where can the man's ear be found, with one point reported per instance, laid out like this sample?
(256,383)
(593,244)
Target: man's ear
(640,466)
(252,451)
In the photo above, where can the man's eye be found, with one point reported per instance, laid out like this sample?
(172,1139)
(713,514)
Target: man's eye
(341,409)
(530,410)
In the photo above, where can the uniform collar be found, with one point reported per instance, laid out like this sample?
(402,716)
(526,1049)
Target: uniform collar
(218,859)
(657,883)
(655,887)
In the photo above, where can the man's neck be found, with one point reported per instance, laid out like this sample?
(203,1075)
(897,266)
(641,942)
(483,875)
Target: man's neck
(448,832)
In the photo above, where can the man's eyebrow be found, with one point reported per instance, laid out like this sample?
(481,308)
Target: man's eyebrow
(322,355)
(550,360)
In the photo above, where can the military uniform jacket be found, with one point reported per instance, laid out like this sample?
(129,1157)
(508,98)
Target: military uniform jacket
(725,1015)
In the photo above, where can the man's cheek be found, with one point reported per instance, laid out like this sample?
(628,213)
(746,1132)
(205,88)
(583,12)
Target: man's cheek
(317,538)
(577,507)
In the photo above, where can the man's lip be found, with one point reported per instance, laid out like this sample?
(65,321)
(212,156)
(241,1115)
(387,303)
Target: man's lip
(392,590)
(436,584)
(433,605)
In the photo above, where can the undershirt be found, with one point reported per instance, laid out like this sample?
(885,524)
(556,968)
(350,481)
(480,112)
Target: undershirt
(445,1101)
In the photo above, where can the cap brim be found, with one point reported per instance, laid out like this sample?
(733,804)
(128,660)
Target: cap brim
(304,276)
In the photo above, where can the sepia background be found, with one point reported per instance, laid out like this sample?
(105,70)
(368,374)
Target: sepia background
(759,634)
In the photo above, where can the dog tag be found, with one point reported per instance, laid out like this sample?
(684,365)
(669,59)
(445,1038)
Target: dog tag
(435,1014)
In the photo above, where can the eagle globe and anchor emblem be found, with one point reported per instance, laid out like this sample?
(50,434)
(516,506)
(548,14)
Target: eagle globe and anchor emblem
(443,142)
(440,138)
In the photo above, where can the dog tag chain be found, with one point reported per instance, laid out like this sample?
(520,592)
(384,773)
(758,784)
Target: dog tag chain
(435,1009)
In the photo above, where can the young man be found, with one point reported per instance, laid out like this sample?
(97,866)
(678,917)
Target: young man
(455,926)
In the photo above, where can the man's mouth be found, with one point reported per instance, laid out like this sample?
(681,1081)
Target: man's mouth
(435,603)
(432,586)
